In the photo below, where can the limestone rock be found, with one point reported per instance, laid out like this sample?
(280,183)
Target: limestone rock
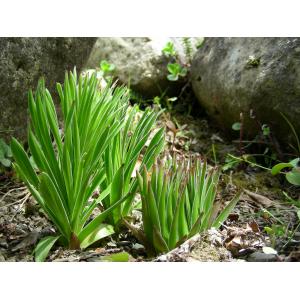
(233,75)
(22,62)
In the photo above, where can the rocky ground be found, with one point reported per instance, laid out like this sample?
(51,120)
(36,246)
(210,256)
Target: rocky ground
(243,237)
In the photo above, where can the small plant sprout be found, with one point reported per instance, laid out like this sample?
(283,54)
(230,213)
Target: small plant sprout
(70,165)
(176,71)
(178,201)
(106,68)
(265,130)
(169,50)
(236,126)
(292,176)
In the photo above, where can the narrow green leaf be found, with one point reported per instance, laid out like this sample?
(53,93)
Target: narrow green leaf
(97,221)
(226,211)
(116,257)
(23,162)
(100,232)
(159,242)
(43,247)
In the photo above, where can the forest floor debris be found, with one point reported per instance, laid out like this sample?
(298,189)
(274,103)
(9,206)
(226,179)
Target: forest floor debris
(242,237)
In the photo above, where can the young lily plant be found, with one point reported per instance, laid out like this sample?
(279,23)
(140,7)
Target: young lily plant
(178,201)
(69,165)
(127,150)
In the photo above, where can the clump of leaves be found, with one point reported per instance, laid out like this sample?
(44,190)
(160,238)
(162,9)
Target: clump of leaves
(293,175)
(123,156)
(178,201)
(5,155)
(175,68)
(106,68)
(169,50)
(70,165)
(178,68)
(176,71)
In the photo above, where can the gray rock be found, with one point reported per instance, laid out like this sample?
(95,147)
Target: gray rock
(139,62)
(262,257)
(22,62)
(233,75)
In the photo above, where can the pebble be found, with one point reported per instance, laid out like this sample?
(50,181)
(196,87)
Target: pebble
(2,258)
(138,247)
(262,257)
(123,243)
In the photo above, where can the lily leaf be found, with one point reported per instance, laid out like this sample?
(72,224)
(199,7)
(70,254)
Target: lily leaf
(226,211)
(116,257)
(100,232)
(43,247)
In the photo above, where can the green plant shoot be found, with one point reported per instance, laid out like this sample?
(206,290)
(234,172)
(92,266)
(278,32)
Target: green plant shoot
(178,201)
(70,165)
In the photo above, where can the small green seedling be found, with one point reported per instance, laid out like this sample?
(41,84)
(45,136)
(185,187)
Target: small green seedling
(106,68)
(169,50)
(292,176)
(236,126)
(275,232)
(176,71)
(265,130)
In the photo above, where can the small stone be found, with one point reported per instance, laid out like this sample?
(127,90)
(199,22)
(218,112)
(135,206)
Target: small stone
(111,244)
(226,89)
(138,247)
(123,243)
(262,257)
(2,258)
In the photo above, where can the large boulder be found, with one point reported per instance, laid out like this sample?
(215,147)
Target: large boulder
(256,76)
(22,62)
(139,62)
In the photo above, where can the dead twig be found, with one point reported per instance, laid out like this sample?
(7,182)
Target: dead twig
(19,208)
(12,190)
